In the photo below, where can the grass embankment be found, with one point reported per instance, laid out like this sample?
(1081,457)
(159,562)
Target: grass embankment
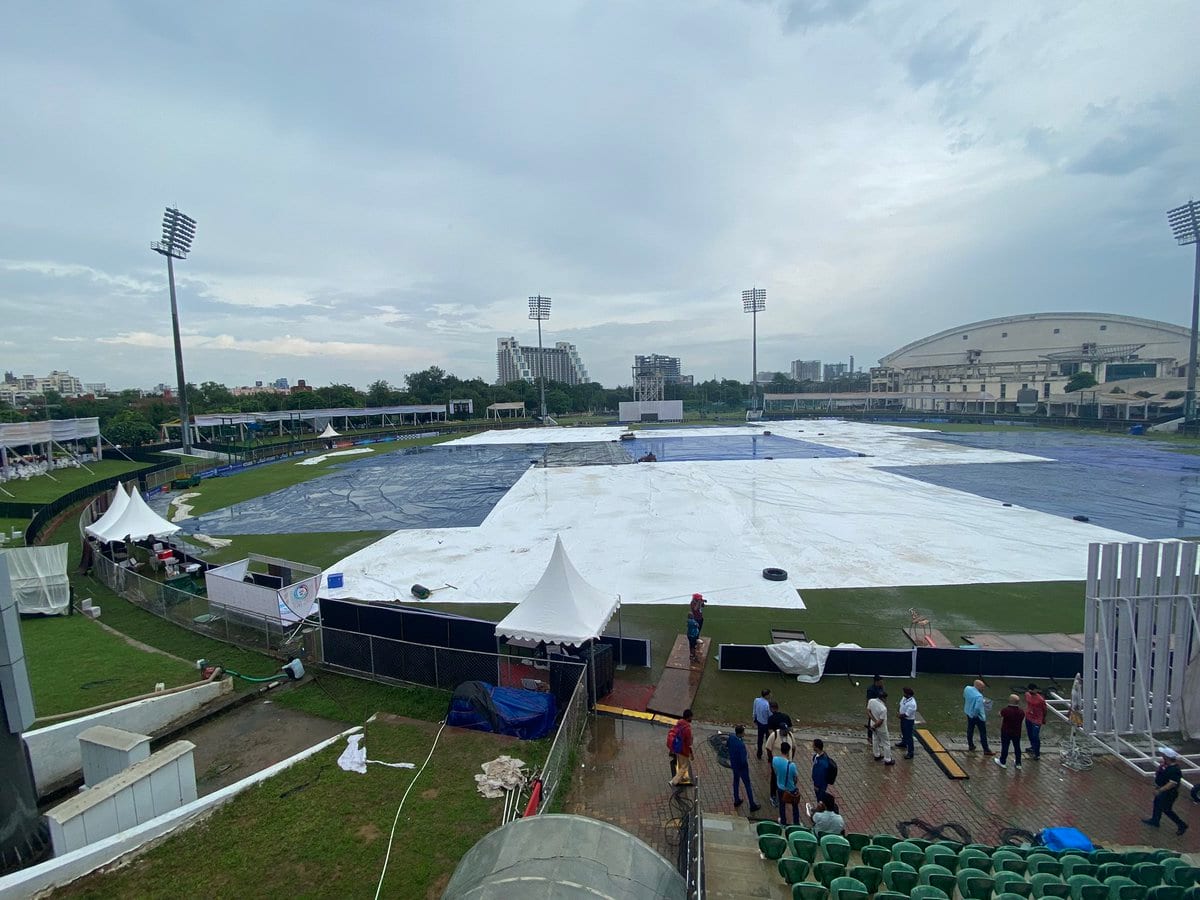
(45,488)
(870,617)
(335,826)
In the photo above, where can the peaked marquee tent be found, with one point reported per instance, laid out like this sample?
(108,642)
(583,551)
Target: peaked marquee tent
(120,500)
(136,522)
(329,432)
(562,608)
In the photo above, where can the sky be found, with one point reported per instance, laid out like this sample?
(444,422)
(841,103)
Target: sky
(379,187)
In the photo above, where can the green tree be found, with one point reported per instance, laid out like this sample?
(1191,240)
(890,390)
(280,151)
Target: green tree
(1081,381)
(380,393)
(428,385)
(130,429)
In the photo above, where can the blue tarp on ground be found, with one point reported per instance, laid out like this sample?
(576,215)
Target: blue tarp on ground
(1126,484)
(724,447)
(527,715)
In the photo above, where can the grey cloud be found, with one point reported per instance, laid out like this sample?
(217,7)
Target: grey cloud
(802,15)
(941,55)
(1124,152)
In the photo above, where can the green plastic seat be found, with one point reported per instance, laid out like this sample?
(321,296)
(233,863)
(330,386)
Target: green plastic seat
(954,846)
(857,840)
(1047,884)
(772,846)
(1012,883)
(768,828)
(803,844)
(1183,876)
(940,855)
(983,848)
(1122,887)
(792,869)
(1133,857)
(1004,860)
(1192,893)
(868,875)
(1105,871)
(923,843)
(825,871)
(792,829)
(846,888)
(1045,866)
(974,858)
(876,856)
(890,895)
(1149,874)
(1078,865)
(1165,892)
(1086,887)
(1074,852)
(835,848)
(974,884)
(938,876)
(885,840)
(900,877)
(1100,857)
(1008,895)
(807,890)
(929,892)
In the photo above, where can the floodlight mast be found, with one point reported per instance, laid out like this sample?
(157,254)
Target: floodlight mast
(177,233)
(754,301)
(539,309)
(1185,226)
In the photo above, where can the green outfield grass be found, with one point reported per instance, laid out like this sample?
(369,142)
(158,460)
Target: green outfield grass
(321,549)
(45,488)
(335,826)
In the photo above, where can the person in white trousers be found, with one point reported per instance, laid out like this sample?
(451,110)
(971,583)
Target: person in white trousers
(881,741)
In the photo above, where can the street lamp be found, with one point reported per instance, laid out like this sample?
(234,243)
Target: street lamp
(1185,225)
(177,233)
(754,301)
(539,309)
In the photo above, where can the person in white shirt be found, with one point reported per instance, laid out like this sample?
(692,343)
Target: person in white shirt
(881,740)
(776,741)
(908,721)
(825,817)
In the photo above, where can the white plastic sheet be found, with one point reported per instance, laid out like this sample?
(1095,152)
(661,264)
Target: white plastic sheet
(804,659)
(504,773)
(354,757)
(39,579)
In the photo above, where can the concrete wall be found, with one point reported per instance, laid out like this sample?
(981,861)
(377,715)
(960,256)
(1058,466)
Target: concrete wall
(54,750)
(667,410)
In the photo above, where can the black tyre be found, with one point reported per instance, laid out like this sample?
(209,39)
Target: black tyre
(773,574)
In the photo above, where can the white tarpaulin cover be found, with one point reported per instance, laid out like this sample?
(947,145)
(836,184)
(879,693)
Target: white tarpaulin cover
(39,579)
(29,434)
(137,522)
(120,500)
(354,757)
(562,608)
(329,432)
(804,659)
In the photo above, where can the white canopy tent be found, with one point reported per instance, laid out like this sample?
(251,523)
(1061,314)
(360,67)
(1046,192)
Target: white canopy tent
(39,579)
(329,432)
(562,608)
(120,500)
(43,437)
(136,522)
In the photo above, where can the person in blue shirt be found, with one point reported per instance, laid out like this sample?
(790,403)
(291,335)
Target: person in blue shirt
(786,774)
(975,708)
(820,769)
(739,762)
(693,636)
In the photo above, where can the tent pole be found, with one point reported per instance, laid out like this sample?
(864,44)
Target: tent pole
(592,671)
(620,638)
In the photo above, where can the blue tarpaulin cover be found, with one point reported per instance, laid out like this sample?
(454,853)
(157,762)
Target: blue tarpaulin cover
(528,715)
(1066,839)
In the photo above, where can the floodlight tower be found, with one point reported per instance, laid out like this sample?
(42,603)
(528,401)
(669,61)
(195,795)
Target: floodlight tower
(754,301)
(177,233)
(539,309)
(1185,225)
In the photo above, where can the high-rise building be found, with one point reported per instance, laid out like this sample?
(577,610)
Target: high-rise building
(806,370)
(516,362)
(833,371)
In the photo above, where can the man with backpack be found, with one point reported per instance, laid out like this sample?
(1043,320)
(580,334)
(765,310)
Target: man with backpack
(679,742)
(824,769)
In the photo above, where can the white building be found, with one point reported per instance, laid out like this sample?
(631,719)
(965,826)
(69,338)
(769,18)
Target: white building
(516,362)
(1038,352)
(806,370)
(63,383)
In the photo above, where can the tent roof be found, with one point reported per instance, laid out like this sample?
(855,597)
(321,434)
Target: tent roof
(120,500)
(329,432)
(137,522)
(562,608)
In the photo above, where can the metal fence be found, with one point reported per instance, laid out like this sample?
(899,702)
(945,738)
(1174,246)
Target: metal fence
(566,741)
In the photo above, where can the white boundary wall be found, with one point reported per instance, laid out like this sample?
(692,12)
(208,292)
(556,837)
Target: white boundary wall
(54,750)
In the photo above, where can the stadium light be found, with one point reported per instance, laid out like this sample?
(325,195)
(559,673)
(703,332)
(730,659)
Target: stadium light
(1185,226)
(539,309)
(754,301)
(177,233)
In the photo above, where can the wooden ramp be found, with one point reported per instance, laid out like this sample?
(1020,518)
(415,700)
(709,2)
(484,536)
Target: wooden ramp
(941,755)
(1057,643)
(935,639)
(680,679)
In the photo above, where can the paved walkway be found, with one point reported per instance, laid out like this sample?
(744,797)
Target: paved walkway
(624,772)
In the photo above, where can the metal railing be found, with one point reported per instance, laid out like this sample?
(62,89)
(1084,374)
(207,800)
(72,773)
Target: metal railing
(566,742)
(689,838)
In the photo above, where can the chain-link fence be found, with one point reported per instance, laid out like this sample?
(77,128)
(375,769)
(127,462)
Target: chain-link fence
(556,770)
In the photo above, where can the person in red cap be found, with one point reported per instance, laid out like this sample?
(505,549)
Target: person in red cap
(697,610)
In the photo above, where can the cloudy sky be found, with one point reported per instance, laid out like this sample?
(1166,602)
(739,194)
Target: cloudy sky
(379,187)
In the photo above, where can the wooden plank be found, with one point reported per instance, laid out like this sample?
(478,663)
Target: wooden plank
(947,763)
(681,654)
(917,637)
(993,641)
(675,692)
(782,636)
